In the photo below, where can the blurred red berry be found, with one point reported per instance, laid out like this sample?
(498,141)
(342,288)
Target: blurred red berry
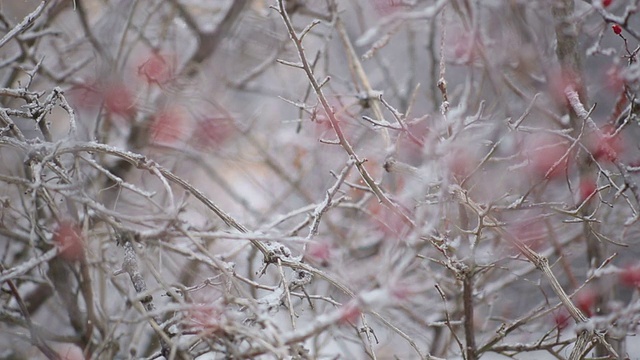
(547,156)
(203,317)
(630,276)
(562,79)
(588,187)
(155,69)
(85,95)
(614,79)
(460,162)
(213,132)
(68,239)
(605,145)
(386,7)
(323,122)
(585,301)
(606,3)
(386,220)
(168,126)
(616,29)
(350,313)
(118,99)
(68,351)
(532,232)
(400,291)
(319,252)
(412,146)
(561,319)
(465,48)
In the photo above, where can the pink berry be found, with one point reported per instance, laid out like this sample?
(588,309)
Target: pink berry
(69,239)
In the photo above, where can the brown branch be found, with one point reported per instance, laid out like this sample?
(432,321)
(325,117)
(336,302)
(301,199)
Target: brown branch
(469,328)
(208,42)
(35,337)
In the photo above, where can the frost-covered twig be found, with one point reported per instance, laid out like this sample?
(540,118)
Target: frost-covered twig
(24,24)
(344,142)
(322,207)
(130,267)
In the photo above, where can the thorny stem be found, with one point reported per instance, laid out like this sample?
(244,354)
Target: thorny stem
(368,179)
(130,266)
(327,202)
(142,162)
(541,262)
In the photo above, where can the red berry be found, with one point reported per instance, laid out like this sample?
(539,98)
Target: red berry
(400,292)
(320,252)
(85,95)
(606,3)
(588,187)
(460,162)
(614,79)
(350,313)
(561,319)
(69,239)
(547,157)
(155,69)
(118,99)
(605,144)
(585,301)
(630,276)
(168,125)
(213,132)
(531,231)
(616,29)
(203,317)
(386,7)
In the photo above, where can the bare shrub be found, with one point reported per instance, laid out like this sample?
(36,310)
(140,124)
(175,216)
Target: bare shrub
(319,179)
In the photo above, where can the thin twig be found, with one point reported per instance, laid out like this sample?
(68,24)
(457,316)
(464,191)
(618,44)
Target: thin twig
(368,179)
(25,23)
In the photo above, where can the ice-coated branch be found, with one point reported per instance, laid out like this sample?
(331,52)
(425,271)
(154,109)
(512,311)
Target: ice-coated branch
(344,142)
